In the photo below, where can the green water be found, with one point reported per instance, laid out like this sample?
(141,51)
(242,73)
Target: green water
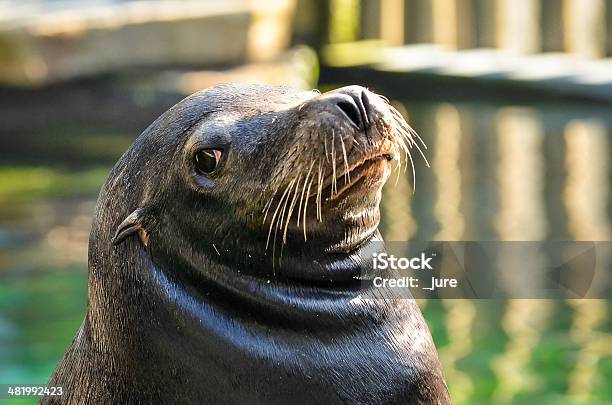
(523,352)
(40,312)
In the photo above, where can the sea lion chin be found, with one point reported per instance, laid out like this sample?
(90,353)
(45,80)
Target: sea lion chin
(227,252)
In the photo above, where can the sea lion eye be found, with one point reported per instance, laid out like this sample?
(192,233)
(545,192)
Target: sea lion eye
(207,160)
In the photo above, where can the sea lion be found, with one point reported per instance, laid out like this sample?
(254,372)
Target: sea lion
(226,265)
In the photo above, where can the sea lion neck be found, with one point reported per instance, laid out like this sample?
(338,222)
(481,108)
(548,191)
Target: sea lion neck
(141,299)
(260,279)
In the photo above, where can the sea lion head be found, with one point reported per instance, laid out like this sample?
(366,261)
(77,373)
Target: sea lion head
(258,179)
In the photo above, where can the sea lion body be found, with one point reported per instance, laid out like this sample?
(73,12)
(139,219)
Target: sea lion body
(242,284)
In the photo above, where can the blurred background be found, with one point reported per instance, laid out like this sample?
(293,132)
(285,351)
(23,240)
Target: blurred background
(513,97)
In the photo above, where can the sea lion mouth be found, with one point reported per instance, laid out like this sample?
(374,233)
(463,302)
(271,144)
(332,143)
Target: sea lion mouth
(370,168)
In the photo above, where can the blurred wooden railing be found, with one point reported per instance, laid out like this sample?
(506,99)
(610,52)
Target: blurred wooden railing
(559,46)
(580,27)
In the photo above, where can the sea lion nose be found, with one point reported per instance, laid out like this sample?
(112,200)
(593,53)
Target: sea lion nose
(353,102)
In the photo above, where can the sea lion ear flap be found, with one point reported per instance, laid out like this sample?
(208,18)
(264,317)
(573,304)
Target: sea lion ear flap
(133,223)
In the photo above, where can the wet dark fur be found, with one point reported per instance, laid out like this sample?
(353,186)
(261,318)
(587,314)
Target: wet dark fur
(201,314)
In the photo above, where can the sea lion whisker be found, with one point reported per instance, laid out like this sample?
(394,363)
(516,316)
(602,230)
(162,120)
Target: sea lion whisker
(404,133)
(401,137)
(402,122)
(279,224)
(422,154)
(407,137)
(319,192)
(384,98)
(321,195)
(276,227)
(281,221)
(333,152)
(409,157)
(272,221)
(347,174)
(303,191)
(318,184)
(291,206)
(398,118)
(418,148)
(398,168)
(415,134)
(325,148)
(401,142)
(306,207)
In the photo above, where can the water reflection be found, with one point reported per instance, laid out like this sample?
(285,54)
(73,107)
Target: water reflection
(586,194)
(446,158)
(586,199)
(514,173)
(526,172)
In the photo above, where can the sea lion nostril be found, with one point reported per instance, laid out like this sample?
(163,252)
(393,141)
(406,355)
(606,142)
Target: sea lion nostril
(365,104)
(351,111)
(356,106)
